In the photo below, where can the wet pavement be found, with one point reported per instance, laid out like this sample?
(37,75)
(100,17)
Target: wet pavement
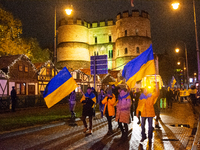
(177,132)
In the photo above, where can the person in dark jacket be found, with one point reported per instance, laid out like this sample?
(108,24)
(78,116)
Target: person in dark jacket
(169,97)
(88,100)
(162,96)
(115,91)
(101,96)
(133,95)
(137,97)
(13,98)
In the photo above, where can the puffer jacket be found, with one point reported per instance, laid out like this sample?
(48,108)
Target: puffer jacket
(110,104)
(123,109)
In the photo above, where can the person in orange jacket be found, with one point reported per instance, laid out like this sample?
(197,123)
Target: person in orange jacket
(146,107)
(109,110)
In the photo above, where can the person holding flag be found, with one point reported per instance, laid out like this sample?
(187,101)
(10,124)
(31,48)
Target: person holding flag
(146,107)
(133,72)
(88,100)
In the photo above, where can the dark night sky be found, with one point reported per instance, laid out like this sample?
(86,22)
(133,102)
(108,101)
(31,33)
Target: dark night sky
(168,26)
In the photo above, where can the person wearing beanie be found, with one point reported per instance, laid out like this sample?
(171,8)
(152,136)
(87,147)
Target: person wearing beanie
(109,110)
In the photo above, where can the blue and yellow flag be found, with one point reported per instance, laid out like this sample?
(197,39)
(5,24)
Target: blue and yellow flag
(59,87)
(90,96)
(172,82)
(139,67)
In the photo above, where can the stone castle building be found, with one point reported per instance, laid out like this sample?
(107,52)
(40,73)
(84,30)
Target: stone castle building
(121,41)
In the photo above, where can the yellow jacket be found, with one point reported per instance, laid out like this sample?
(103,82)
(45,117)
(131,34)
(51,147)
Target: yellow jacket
(146,106)
(110,104)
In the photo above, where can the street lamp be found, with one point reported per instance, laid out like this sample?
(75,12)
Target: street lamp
(196,36)
(177,50)
(175,5)
(68,12)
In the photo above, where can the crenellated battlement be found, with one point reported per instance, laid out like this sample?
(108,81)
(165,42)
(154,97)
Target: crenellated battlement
(103,23)
(71,21)
(134,13)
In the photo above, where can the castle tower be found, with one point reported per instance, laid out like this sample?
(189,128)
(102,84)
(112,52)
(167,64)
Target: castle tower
(73,48)
(133,36)
(121,41)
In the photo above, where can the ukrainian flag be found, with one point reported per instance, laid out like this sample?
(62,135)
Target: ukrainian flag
(172,82)
(139,67)
(59,87)
(91,96)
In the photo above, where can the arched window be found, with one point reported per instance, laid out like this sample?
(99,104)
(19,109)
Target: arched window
(137,50)
(126,51)
(117,52)
(110,38)
(95,40)
(125,32)
(136,31)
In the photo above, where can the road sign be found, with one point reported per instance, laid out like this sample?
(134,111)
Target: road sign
(101,64)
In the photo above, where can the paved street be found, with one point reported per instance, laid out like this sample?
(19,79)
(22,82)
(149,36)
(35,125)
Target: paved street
(176,132)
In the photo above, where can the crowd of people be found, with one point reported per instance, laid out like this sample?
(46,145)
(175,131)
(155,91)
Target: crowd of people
(123,104)
(119,103)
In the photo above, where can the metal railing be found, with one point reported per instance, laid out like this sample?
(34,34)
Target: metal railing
(28,101)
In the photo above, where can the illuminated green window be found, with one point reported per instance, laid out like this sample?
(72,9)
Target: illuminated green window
(110,54)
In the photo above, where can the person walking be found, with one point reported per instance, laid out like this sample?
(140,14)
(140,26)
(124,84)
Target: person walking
(132,110)
(162,96)
(72,103)
(101,96)
(169,97)
(115,91)
(137,96)
(13,98)
(193,94)
(146,106)
(123,112)
(109,110)
(88,100)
